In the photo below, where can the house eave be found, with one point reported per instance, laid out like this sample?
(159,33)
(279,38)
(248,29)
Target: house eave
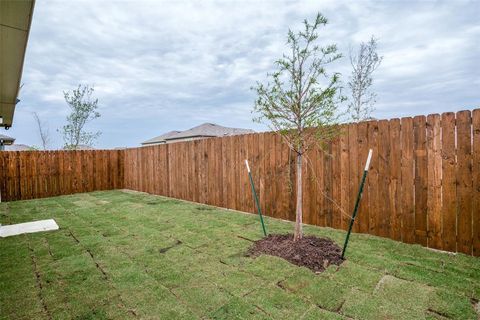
(15,22)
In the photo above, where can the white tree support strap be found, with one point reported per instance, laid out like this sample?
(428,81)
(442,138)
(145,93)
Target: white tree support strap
(367,164)
(248,167)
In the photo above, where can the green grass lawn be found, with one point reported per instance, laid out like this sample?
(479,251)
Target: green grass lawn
(131,255)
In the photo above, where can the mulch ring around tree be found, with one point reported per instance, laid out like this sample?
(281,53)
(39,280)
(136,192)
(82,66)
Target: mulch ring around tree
(310,252)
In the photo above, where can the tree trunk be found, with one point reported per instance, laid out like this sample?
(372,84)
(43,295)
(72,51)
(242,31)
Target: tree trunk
(299,210)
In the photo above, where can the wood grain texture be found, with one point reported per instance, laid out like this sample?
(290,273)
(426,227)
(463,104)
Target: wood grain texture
(449,186)
(344,168)
(39,174)
(373,185)
(363,219)
(423,184)
(420,158)
(434,172)
(353,171)
(394,180)
(476,182)
(384,201)
(407,186)
(464,182)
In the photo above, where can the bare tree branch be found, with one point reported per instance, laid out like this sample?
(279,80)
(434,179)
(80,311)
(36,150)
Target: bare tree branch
(83,110)
(43,131)
(364,63)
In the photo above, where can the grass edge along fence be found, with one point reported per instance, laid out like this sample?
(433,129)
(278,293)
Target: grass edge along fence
(423,185)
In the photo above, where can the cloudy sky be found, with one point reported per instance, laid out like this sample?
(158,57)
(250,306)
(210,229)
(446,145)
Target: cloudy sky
(165,65)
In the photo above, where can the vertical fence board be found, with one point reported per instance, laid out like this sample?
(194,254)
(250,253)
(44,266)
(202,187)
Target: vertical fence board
(407,174)
(271,177)
(40,174)
(363,219)
(320,177)
(327,171)
(247,198)
(384,202)
(3,178)
(344,178)
(23,176)
(449,188)
(434,200)
(227,172)
(290,175)
(476,182)
(354,177)
(307,183)
(336,185)
(464,182)
(373,186)
(394,183)
(278,181)
(260,161)
(256,158)
(233,185)
(313,183)
(211,172)
(7,172)
(420,158)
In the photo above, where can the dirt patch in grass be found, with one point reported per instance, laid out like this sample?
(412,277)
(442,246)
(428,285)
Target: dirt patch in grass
(311,252)
(476,305)
(84,204)
(204,208)
(163,250)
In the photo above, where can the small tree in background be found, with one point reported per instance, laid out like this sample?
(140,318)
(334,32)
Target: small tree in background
(300,99)
(43,131)
(83,109)
(364,63)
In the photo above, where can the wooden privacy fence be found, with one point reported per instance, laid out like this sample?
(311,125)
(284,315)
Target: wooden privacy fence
(39,174)
(423,186)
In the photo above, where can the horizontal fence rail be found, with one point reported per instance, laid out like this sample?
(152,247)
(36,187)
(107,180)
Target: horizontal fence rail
(423,186)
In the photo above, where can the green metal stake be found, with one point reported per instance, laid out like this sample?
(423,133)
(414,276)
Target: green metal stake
(256,198)
(355,209)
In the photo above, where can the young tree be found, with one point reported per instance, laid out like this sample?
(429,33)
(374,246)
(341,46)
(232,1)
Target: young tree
(83,110)
(300,99)
(364,63)
(43,131)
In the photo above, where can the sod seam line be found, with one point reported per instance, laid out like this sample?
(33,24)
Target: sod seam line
(145,270)
(38,281)
(105,276)
(303,298)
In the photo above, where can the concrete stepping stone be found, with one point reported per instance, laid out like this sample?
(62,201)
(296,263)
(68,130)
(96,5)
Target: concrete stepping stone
(28,227)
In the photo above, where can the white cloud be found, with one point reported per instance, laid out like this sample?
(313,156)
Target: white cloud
(164,65)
